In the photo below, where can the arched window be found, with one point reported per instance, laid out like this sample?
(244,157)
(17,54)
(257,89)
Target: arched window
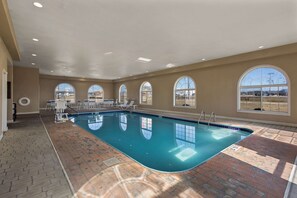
(96,93)
(146,93)
(65,91)
(264,89)
(123,93)
(185,92)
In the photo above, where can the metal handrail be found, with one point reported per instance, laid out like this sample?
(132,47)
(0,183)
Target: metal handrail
(72,109)
(212,115)
(202,113)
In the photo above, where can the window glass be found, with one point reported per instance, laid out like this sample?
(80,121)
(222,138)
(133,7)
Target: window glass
(65,91)
(264,89)
(185,92)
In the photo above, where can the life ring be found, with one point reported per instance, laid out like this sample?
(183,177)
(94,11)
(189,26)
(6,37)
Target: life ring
(24,101)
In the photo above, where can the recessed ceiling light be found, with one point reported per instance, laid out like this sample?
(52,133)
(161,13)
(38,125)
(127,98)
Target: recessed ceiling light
(260,47)
(143,60)
(52,71)
(35,39)
(170,65)
(34,54)
(203,59)
(146,71)
(37,4)
(107,53)
(33,64)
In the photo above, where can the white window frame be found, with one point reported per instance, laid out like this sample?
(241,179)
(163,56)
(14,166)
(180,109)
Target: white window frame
(99,86)
(263,86)
(174,90)
(71,86)
(120,92)
(140,93)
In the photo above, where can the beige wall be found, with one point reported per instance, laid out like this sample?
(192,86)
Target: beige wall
(81,86)
(26,84)
(216,87)
(5,60)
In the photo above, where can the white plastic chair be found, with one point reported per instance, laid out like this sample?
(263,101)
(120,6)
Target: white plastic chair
(127,106)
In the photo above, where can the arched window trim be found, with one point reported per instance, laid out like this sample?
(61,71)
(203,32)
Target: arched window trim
(187,107)
(140,93)
(99,86)
(68,84)
(265,112)
(120,92)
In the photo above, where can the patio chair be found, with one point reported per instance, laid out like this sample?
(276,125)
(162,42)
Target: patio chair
(127,106)
(119,105)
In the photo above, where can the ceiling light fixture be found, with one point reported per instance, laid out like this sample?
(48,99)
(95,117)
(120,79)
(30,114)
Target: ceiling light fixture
(37,4)
(33,64)
(260,47)
(52,71)
(170,65)
(143,60)
(34,54)
(107,53)
(35,39)
(203,59)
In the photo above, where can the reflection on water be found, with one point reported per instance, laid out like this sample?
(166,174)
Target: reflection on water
(220,133)
(123,122)
(185,137)
(146,127)
(95,122)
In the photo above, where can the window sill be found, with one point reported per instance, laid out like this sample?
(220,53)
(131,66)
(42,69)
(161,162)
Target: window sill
(146,104)
(185,107)
(265,112)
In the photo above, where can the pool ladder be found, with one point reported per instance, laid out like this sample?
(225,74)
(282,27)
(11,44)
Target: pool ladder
(201,114)
(212,116)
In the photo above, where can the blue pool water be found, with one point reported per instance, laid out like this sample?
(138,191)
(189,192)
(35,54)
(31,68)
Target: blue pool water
(162,144)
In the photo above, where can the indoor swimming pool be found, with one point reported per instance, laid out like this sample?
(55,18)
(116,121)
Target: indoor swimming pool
(159,143)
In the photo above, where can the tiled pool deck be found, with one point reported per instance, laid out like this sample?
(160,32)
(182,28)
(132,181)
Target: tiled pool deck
(260,167)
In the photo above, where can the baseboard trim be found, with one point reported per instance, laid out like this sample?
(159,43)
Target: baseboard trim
(225,117)
(27,113)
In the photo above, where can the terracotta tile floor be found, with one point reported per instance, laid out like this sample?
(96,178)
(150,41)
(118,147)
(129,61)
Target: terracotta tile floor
(259,168)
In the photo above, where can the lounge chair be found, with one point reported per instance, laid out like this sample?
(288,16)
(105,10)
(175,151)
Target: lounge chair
(127,106)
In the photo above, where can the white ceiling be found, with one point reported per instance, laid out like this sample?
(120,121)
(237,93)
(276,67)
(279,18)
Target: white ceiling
(74,34)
